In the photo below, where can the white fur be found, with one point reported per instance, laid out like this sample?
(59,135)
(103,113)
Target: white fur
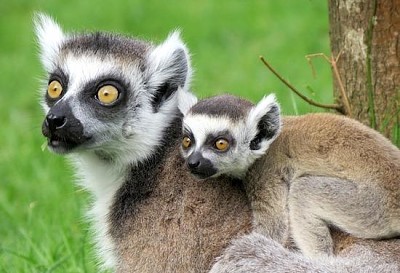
(102,180)
(128,140)
(50,37)
(185,101)
(236,161)
(234,165)
(255,114)
(160,59)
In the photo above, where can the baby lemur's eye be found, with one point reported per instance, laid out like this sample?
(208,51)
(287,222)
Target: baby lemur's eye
(107,94)
(222,144)
(186,142)
(54,90)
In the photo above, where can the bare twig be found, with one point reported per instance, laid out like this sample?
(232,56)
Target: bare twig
(333,62)
(345,99)
(291,87)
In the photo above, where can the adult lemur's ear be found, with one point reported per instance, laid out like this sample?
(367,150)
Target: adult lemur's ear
(168,68)
(50,37)
(186,100)
(264,123)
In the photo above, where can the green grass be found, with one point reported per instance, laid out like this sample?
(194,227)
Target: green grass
(42,226)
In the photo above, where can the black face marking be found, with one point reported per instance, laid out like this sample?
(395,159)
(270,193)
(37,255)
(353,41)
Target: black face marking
(162,94)
(225,105)
(212,138)
(187,132)
(267,127)
(178,69)
(199,166)
(61,77)
(63,131)
(99,110)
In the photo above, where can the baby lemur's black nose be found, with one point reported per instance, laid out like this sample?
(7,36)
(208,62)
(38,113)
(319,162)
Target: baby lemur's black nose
(54,122)
(200,166)
(193,163)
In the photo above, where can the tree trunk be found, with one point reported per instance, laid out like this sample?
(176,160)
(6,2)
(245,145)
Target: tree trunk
(366,35)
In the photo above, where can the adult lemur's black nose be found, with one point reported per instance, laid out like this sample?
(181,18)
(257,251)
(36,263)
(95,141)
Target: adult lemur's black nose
(62,129)
(54,122)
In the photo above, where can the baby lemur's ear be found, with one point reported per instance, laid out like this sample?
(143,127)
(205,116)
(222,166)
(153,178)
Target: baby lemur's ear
(264,123)
(167,69)
(186,100)
(50,38)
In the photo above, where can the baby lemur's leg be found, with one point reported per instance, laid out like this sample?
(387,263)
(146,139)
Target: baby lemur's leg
(269,207)
(317,202)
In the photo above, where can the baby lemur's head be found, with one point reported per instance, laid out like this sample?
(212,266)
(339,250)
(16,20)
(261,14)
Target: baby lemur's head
(224,135)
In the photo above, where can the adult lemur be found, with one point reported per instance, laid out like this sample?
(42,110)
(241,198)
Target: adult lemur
(339,172)
(111,106)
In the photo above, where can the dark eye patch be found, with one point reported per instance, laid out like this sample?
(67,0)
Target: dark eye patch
(88,95)
(212,138)
(61,77)
(187,132)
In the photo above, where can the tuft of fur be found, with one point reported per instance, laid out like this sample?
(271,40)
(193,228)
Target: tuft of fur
(255,253)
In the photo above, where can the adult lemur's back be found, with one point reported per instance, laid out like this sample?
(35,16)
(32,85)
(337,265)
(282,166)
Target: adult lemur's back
(111,106)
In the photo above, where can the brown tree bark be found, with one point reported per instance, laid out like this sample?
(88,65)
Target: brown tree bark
(366,34)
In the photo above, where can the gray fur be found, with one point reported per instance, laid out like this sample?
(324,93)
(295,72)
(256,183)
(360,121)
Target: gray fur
(255,253)
(317,202)
(106,44)
(337,172)
(322,170)
(226,105)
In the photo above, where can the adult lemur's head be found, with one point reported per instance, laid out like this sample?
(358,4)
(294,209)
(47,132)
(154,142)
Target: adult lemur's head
(226,134)
(107,93)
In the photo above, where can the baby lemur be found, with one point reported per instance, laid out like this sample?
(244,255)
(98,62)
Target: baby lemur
(334,171)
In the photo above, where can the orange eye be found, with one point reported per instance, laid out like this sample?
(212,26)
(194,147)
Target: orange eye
(186,142)
(107,94)
(222,144)
(54,90)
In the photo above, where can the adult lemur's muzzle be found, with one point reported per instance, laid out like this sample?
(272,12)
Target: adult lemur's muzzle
(63,131)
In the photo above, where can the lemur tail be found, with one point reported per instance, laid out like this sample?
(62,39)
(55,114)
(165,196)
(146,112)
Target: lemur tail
(256,253)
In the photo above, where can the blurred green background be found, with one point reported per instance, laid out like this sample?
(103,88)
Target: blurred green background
(42,213)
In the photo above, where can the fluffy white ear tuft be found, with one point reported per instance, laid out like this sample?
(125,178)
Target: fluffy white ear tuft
(186,100)
(264,123)
(168,68)
(49,36)
(170,59)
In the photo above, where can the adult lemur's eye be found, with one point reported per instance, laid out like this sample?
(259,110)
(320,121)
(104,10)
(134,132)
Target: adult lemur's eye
(186,142)
(107,94)
(54,90)
(222,144)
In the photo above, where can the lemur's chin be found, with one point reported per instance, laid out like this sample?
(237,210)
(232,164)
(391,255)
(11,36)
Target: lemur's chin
(65,146)
(203,175)
(61,147)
